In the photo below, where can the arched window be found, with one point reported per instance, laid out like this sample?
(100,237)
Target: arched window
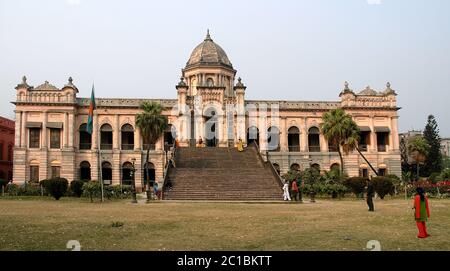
(34,171)
(56,169)
(85,137)
(127,173)
(253,135)
(277,168)
(169,136)
(273,139)
(85,171)
(107,172)
(127,133)
(314,139)
(315,167)
(106,137)
(210,82)
(295,167)
(335,167)
(294,139)
(332,147)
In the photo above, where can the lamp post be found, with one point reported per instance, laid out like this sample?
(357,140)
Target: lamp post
(133,182)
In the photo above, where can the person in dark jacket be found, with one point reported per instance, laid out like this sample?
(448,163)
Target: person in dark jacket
(370,195)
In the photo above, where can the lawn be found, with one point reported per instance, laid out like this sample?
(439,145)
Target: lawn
(44,224)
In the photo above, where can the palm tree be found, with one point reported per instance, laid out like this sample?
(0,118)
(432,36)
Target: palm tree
(418,148)
(342,131)
(152,124)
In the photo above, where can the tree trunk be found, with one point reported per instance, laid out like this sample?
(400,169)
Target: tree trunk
(342,159)
(147,170)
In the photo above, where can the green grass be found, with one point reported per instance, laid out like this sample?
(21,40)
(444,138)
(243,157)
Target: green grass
(45,224)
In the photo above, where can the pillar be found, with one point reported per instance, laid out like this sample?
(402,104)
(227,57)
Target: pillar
(95,132)
(71,129)
(23,138)
(18,130)
(116,133)
(44,130)
(394,132)
(373,136)
(304,136)
(65,130)
(283,136)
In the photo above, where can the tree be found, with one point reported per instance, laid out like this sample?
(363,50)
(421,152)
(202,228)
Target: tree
(342,131)
(152,124)
(418,149)
(406,167)
(433,164)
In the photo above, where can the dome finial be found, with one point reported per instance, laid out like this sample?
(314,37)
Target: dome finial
(208,36)
(346,85)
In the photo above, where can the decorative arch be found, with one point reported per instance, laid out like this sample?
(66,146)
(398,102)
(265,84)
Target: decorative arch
(106,136)
(295,167)
(106,172)
(85,137)
(127,136)
(335,167)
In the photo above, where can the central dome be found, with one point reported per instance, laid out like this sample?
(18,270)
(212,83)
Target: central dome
(208,53)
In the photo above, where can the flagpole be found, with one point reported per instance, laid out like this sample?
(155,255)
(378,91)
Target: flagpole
(99,158)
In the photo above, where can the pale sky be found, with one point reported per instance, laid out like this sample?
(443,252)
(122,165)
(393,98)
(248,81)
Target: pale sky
(283,50)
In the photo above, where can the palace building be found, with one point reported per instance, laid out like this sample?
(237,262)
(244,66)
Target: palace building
(51,138)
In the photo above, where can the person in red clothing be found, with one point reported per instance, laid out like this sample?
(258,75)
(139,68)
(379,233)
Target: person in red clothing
(294,189)
(422,212)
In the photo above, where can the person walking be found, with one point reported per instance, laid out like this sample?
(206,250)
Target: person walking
(294,189)
(286,195)
(370,194)
(422,212)
(240,145)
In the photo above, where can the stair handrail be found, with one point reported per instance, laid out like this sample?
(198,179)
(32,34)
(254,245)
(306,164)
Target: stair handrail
(272,168)
(166,171)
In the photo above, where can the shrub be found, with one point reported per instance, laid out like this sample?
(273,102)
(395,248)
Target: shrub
(383,186)
(76,187)
(12,189)
(434,177)
(334,190)
(29,189)
(3,184)
(92,189)
(356,185)
(46,185)
(117,191)
(57,187)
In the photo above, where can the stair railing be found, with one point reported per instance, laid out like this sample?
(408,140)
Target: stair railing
(272,168)
(166,171)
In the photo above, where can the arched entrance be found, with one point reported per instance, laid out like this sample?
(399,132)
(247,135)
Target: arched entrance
(151,174)
(277,168)
(253,135)
(314,139)
(127,176)
(85,171)
(295,167)
(107,172)
(211,128)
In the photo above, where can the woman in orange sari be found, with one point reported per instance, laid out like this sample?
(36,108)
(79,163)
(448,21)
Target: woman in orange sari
(422,212)
(240,145)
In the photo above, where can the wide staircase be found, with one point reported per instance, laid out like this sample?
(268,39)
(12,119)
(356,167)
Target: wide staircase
(222,174)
